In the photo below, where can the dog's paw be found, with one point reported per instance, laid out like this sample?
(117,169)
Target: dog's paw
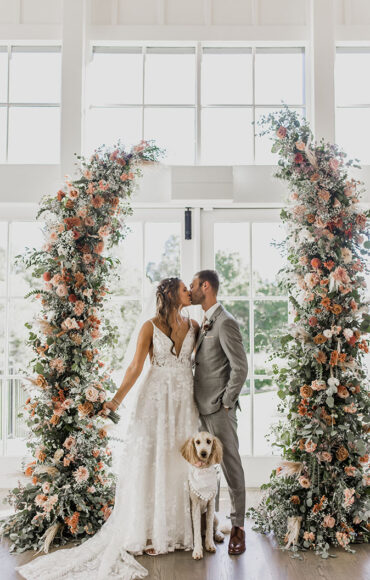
(218,537)
(198,553)
(210,547)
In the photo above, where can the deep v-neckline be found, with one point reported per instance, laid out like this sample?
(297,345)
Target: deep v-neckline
(164,334)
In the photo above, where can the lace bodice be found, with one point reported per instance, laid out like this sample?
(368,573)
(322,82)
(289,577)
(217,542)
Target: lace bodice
(162,344)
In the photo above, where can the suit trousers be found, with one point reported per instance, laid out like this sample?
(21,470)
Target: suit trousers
(223,424)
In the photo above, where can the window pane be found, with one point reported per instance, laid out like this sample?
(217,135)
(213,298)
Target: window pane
(2,337)
(162,251)
(264,156)
(231,246)
(173,129)
(35,77)
(227,78)
(240,310)
(129,253)
(22,235)
(3,250)
(351,133)
(227,136)
(3,131)
(3,75)
(267,259)
(20,312)
(269,318)
(169,78)
(352,83)
(106,126)
(17,429)
(115,78)
(34,134)
(265,414)
(123,314)
(279,77)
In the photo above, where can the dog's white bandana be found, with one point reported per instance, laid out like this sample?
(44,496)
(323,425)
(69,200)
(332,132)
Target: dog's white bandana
(203,481)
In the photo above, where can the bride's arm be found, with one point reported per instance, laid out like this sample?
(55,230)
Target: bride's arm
(134,369)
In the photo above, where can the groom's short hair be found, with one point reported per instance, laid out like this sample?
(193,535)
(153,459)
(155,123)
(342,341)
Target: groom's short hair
(209,276)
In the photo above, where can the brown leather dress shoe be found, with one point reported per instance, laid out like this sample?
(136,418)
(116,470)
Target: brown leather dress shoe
(237,541)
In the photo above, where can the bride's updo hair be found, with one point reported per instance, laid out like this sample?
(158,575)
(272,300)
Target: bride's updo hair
(167,302)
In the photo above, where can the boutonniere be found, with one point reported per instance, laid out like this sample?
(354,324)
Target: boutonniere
(207,326)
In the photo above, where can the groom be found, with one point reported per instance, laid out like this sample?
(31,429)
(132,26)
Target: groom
(221,368)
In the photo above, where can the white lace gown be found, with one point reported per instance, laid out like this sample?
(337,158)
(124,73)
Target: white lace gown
(152,501)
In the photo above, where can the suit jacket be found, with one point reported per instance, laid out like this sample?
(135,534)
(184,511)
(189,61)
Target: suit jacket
(220,364)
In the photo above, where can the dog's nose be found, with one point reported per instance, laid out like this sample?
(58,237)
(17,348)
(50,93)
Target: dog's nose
(203,453)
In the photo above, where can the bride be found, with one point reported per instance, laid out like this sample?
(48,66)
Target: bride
(152,511)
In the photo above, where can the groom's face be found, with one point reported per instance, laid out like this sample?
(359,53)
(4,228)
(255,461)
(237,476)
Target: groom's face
(196,292)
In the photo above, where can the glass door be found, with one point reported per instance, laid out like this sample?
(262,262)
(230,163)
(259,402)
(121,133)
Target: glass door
(238,244)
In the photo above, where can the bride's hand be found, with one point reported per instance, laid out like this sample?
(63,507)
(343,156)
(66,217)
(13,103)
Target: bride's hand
(109,405)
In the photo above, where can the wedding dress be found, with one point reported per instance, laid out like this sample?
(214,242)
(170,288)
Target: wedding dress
(152,500)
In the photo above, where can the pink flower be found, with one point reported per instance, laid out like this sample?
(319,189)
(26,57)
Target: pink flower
(69,442)
(79,307)
(57,364)
(303,260)
(87,292)
(91,394)
(326,456)
(46,487)
(281,132)
(95,333)
(89,221)
(81,474)
(50,502)
(350,408)
(300,145)
(48,286)
(90,188)
(350,470)
(312,321)
(342,538)
(340,275)
(69,324)
(40,499)
(309,536)
(97,201)
(348,496)
(82,213)
(91,489)
(294,196)
(73,194)
(324,195)
(304,481)
(102,396)
(103,231)
(310,446)
(329,522)
(87,173)
(61,290)
(298,158)
(99,247)
(87,258)
(334,164)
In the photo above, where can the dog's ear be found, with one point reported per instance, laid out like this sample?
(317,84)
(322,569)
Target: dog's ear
(216,453)
(188,451)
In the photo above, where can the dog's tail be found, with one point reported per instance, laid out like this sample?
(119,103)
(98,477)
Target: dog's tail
(225,529)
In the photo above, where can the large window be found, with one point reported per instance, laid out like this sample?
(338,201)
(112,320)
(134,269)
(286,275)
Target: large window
(30,95)
(352,94)
(200,103)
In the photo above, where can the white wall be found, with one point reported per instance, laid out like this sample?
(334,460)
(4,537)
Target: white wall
(320,24)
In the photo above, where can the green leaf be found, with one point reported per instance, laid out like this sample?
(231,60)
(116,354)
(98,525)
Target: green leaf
(330,402)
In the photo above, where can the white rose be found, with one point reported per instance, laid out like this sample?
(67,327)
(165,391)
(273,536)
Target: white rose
(91,394)
(348,333)
(327,333)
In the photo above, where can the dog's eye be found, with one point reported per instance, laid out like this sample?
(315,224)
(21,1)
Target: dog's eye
(197,442)
(208,441)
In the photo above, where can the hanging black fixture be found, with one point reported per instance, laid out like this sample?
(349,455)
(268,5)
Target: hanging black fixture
(188,224)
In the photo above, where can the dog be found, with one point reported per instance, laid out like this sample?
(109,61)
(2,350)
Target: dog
(204,452)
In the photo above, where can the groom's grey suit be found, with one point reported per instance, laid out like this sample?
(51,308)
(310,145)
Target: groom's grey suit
(221,368)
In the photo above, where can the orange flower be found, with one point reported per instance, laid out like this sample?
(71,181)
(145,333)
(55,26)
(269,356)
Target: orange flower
(310,218)
(321,357)
(319,339)
(315,263)
(342,453)
(329,265)
(333,358)
(306,391)
(295,500)
(336,309)
(325,302)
